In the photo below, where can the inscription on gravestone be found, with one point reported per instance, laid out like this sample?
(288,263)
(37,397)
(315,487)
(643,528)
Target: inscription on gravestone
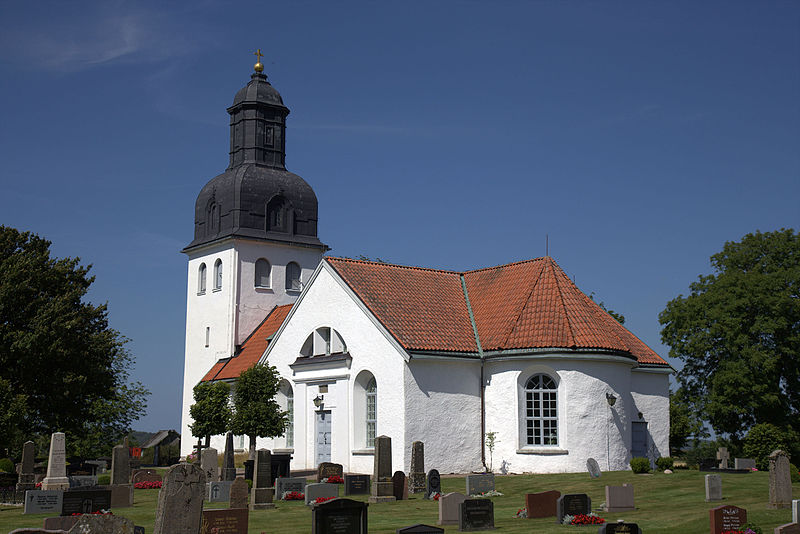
(322,489)
(476,514)
(225,521)
(43,501)
(85,501)
(339,516)
(620,527)
(283,485)
(727,517)
(356,485)
(328,469)
(477,484)
(572,504)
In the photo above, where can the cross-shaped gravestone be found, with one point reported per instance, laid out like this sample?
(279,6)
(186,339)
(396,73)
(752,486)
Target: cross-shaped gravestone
(723,457)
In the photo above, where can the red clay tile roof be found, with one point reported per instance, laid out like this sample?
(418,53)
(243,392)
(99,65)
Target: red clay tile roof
(529,304)
(252,348)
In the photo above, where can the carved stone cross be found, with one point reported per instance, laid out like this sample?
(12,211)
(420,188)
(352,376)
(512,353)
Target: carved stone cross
(723,457)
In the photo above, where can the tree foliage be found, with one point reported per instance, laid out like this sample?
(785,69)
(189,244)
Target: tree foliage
(738,334)
(684,424)
(764,438)
(63,368)
(211,411)
(256,412)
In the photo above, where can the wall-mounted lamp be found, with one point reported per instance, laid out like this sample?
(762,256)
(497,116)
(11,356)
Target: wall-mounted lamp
(610,399)
(319,400)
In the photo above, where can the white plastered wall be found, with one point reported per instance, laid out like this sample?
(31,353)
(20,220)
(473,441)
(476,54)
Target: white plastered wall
(327,303)
(650,394)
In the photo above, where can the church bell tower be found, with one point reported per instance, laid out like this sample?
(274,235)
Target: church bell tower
(255,237)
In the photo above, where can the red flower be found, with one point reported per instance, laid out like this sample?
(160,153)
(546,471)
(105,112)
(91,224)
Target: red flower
(323,499)
(154,484)
(335,479)
(583,519)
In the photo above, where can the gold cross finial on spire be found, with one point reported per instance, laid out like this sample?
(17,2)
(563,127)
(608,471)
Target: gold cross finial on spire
(258,66)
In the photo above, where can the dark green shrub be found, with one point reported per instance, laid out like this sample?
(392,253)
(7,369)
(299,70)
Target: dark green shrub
(665,462)
(7,465)
(640,465)
(795,474)
(764,438)
(701,451)
(104,479)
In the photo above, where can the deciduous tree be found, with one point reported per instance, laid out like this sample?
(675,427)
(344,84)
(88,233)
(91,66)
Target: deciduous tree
(256,412)
(211,411)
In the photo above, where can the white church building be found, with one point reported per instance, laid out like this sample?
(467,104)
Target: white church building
(368,348)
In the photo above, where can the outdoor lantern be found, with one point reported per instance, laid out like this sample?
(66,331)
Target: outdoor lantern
(318,400)
(611,399)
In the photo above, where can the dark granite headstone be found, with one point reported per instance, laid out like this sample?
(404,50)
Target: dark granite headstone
(249,466)
(398,484)
(477,484)
(620,527)
(85,501)
(280,466)
(225,520)
(572,504)
(476,514)
(263,494)
(416,477)
(339,516)
(356,484)
(433,484)
(328,469)
(228,465)
(420,529)
(282,485)
(27,478)
(726,517)
(382,487)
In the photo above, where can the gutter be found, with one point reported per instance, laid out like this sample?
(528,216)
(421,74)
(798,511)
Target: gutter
(483,382)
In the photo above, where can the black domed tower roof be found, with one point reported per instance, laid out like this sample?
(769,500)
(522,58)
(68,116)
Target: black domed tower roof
(256,197)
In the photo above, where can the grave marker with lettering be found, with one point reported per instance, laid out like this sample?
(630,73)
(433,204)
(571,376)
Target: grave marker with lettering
(726,517)
(476,514)
(56,478)
(263,494)
(572,504)
(433,484)
(43,501)
(224,521)
(356,484)
(282,485)
(85,501)
(180,500)
(713,488)
(382,486)
(416,477)
(339,516)
(328,469)
(620,527)
(321,489)
(477,484)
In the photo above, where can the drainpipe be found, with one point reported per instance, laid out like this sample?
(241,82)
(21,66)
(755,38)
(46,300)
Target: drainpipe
(483,382)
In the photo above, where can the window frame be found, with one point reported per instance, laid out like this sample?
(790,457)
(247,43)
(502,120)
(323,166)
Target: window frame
(539,412)
(289,282)
(256,277)
(371,413)
(202,272)
(218,275)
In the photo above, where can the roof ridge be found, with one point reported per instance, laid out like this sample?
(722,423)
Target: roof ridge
(564,306)
(386,264)
(524,304)
(530,260)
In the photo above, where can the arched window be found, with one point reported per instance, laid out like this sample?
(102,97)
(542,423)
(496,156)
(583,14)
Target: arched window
(289,417)
(371,412)
(212,217)
(262,273)
(276,215)
(293,277)
(323,341)
(541,411)
(217,275)
(201,279)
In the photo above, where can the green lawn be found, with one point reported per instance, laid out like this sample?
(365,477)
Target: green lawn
(665,504)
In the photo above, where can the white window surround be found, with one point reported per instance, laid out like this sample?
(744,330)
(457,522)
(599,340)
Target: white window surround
(364,413)
(201,279)
(538,417)
(293,280)
(323,341)
(218,275)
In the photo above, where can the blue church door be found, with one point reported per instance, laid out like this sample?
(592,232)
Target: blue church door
(639,439)
(323,436)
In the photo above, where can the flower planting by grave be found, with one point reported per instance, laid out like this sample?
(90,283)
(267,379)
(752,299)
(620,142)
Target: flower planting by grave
(334,479)
(522,513)
(320,500)
(293,496)
(149,484)
(583,519)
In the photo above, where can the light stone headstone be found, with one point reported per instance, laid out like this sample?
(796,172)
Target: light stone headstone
(263,494)
(219,491)
(416,477)
(180,500)
(795,511)
(43,501)
(102,524)
(713,488)
(477,484)
(780,481)
(120,465)
(744,463)
(593,467)
(121,495)
(239,492)
(382,486)
(209,463)
(27,478)
(282,485)
(723,456)
(228,465)
(56,478)
(448,508)
(321,489)
(619,498)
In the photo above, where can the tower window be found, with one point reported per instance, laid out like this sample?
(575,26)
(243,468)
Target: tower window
(263,271)
(201,279)
(268,139)
(276,215)
(208,335)
(212,218)
(293,277)
(218,275)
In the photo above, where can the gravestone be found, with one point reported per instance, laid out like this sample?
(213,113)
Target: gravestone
(27,478)
(249,468)
(416,477)
(282,485)
(449,508)
(619,498)
(420,529)
(209,460)
(280,466)
(572,504)
(339,516)
(82,481)
(542,504)
(85,501)
(744,463)
(433,484)
(405,489)
(121,495)
(726,518)
(328,469)
(239,492)
(145,475)
(225,521)
(382,486)
(723,456)
(263,494)
(620,527)
(219,491)
(228,467)
(120,465)
(796,511)
(780,481)
(321,489)
(476,514)
(356,484)
(60,522)
(477,484)
(43,501)
(180,500)
(399,484)
(101,524)
(56,478)
(713,488)
(788,528)
(593,467)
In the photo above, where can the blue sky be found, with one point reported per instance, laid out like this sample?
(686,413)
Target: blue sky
(638,136)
